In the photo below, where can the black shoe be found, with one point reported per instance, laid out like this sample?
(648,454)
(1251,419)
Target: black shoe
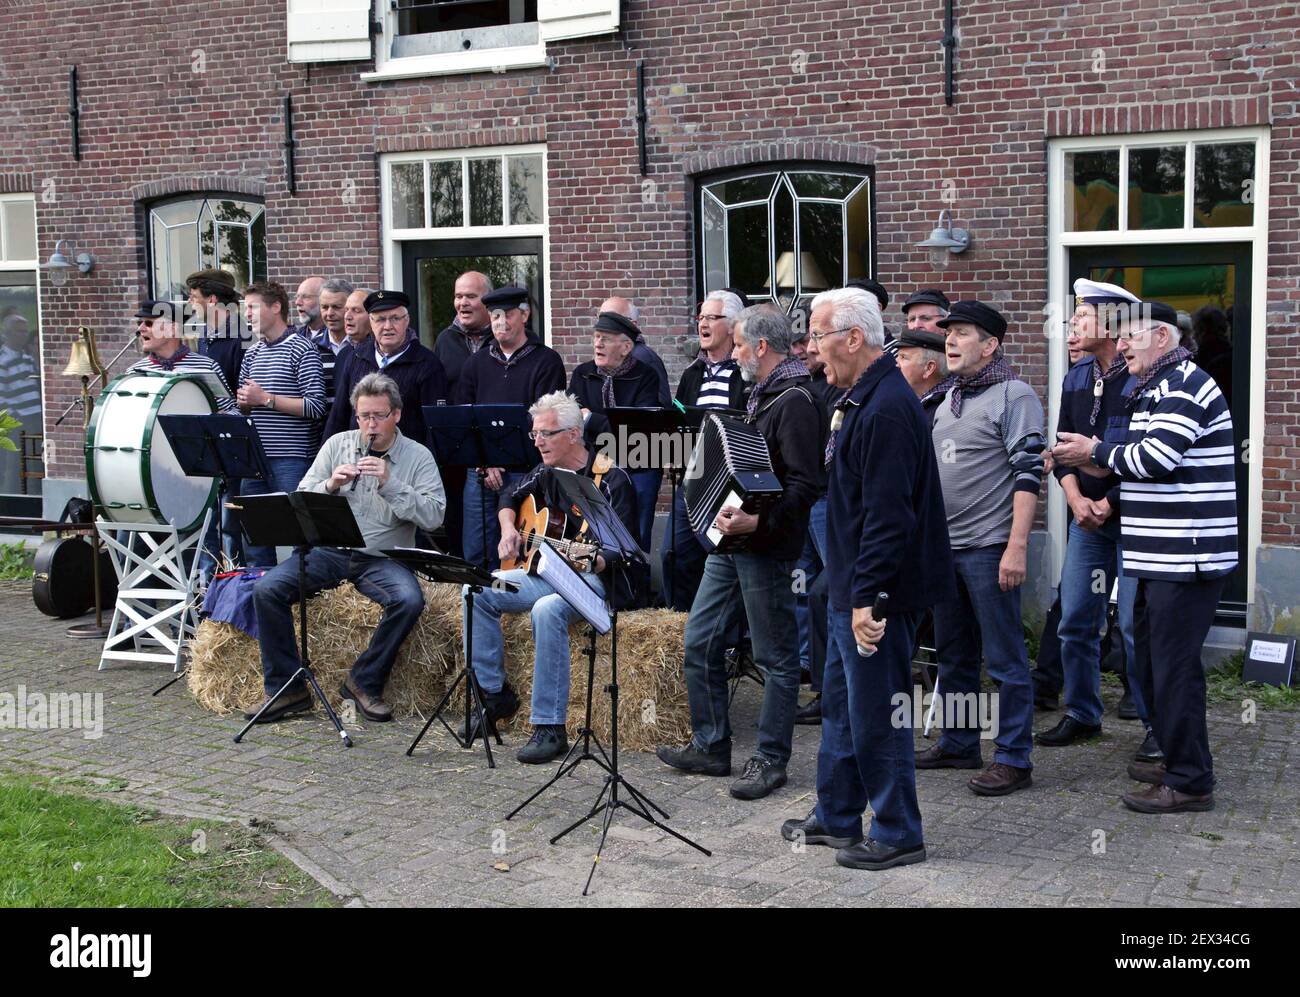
(810,714)
(1127,711)
(547,742)
(1066,732)
(1046,701)
(1150,750)
(937,758)
(871,854)
(287,705)
(500,705)
(692,759)
(759,778)
(812,833)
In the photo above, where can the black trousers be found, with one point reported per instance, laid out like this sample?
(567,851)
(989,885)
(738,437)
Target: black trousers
(1170,623)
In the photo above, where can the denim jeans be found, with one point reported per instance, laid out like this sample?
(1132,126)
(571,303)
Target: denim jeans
(482,528)
(866,757)
(983,623)
(760,587)
(812,562)
(386,582)
(1126,595)
(646,486)
(551,617)
(683,561)
(1089,569)
(286,472)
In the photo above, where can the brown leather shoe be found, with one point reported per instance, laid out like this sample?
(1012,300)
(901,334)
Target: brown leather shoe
(936,757)
(291,702)
(999,780)
(1152,772)
(370,707)
(1164,800)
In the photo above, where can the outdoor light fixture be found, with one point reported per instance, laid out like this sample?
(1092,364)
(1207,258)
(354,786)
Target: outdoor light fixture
(59,267)
(944,236)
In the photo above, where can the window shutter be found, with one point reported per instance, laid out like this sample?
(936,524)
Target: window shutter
(329,30)
(560,19)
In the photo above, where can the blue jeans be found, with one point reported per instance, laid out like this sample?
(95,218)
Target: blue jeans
(1125,598)
(865,757)
(760,587)
(1090,564)
(551,617)
(386,582)
(646,485)
(286,472)
(682,569)
(983,623)
(812,562)
(482,528)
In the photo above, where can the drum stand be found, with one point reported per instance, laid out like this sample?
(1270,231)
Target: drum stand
(155,610)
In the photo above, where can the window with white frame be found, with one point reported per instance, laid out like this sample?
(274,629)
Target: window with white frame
(467,191)
(215,231)
(21,470)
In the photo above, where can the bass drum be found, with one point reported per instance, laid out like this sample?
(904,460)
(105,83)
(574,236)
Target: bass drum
(133,473)
(63,578)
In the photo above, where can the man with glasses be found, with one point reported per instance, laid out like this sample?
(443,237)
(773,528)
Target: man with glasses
(557,433)
(393,490)
(417,372)
(515,368)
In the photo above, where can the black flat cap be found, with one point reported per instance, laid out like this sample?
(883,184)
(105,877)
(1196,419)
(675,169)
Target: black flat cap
(505,297)
(383,301)
(1160,312)
(875,287)
(168,311)
(988,319)
(211,276)
(614,322)
(926,296)
(923,338)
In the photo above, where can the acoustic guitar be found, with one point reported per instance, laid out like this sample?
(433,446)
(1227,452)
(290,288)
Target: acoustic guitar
(539,526)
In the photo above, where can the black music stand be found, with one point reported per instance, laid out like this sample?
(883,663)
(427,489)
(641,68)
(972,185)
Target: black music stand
(444,568)
(219,445)
(478,437)
(306,520)
(620,551)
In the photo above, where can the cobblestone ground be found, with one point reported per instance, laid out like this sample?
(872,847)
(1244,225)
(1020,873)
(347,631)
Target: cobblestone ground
(384,829)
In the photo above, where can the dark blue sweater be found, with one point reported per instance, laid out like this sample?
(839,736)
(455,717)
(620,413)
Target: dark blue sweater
(886,528)
(525,377)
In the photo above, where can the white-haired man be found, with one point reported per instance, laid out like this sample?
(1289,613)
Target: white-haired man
(557,434)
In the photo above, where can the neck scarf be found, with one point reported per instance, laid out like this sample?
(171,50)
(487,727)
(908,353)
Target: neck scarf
(607,380)
(495,352)
(1175,356)
(940,389)
(789,367)
(181,353)
(1099,379)
(995,373)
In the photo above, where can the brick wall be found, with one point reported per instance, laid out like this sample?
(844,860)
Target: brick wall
(728,83)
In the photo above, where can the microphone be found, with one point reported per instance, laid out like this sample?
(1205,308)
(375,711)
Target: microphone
(370,443)
(878,611)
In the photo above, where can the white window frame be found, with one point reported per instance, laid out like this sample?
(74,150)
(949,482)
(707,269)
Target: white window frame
(34,267)
(11,265)
(1060,241)
(393,238)
(487,60)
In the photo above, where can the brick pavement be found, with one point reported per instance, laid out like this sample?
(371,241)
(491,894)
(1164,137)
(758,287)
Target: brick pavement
(391,830)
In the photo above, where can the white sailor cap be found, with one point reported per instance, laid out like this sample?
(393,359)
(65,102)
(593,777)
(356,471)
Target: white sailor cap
(1094,292)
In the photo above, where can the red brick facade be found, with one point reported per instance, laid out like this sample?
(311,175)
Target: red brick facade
(728,84)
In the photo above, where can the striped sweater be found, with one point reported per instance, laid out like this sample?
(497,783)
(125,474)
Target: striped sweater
(1178,497)
(190,361)
(290,367)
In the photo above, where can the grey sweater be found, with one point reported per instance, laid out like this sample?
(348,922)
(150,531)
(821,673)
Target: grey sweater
(411,497)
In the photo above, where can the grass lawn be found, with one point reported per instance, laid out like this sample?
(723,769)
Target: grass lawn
(61,848)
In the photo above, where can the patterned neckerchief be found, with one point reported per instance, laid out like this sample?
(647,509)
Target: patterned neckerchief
(998,371)
(607,380)
(789,367)
(939,390)
(494,351)
(1099,378)
(1174,357)
(181,353)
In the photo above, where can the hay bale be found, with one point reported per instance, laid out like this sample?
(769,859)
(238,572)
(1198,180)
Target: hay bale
(225,671)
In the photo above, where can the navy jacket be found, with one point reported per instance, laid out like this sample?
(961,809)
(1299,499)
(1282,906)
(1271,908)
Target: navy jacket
(524,378)
(225,347)
(639,388)
(1111,427)
(652,360)
(452,348)
(886,528)
(419,376)
(793,422)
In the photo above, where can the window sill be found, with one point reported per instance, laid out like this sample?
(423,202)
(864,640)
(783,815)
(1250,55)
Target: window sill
(497,60)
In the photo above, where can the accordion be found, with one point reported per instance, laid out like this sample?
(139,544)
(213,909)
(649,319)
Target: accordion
(731,466)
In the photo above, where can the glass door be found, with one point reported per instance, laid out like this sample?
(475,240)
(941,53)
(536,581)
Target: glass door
(1211,283)
(21,470)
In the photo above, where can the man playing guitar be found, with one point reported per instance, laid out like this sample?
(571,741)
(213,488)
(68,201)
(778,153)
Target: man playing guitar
(557,434)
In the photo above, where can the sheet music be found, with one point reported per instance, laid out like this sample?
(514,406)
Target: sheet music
(556,572)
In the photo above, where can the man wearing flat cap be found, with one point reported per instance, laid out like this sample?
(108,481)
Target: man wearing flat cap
(515,368)
(878,289)
(922,359)
(417,371)
(988,434)
(1178,530)
(214,301)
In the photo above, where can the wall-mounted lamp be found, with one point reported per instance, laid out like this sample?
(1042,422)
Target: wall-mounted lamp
(59,267)
(944,236)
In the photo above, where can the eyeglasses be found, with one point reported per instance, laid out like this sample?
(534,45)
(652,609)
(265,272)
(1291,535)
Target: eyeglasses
(817,337)
(544,434)
(374,416)
(708,318)
(387,318)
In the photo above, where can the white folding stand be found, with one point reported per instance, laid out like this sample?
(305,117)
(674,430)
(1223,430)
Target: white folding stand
(156,607)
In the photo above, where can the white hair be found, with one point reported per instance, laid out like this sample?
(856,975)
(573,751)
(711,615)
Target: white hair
(568,413)
(731,304)
(852,306)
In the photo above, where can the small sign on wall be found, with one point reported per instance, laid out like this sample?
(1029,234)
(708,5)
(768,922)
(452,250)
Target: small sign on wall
(1270,658)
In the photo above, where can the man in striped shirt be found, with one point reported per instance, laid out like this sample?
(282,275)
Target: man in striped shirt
(282,387)
(1178,523)
(331,340)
